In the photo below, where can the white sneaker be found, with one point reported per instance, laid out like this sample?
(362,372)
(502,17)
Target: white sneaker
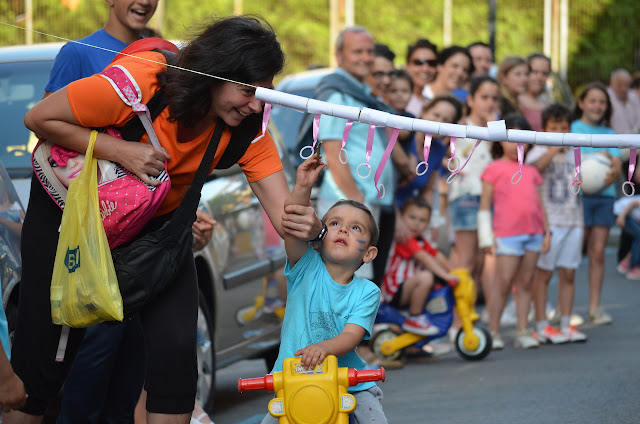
(496,342)
(573,335)
(525,340)
(551,335)
(576,320)
(599,317)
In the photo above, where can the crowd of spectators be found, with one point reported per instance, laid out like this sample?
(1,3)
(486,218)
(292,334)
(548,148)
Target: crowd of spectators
(512,238)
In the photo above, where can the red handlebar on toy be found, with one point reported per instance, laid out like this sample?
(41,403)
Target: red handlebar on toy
(260,383)
(266,382)
(356,376)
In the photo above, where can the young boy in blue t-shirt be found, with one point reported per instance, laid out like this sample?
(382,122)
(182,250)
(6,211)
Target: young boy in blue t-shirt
(330,310)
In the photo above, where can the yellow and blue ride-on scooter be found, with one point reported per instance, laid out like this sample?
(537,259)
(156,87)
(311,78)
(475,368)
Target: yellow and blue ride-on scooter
(471,342)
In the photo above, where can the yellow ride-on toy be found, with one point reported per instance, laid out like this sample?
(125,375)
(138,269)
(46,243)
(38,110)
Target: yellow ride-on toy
(471,342)
(317,396)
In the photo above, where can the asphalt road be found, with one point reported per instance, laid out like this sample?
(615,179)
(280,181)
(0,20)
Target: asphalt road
(593,382)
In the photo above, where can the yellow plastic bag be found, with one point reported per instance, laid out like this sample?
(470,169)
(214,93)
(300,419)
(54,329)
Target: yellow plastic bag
(84,286)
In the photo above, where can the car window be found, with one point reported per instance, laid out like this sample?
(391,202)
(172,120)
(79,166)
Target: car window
(12,212)
(21,86)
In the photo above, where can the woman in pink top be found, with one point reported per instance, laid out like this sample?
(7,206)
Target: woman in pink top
(532,101)
(520,227)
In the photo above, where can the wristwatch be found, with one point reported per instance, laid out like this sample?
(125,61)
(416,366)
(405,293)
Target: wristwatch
(322,234)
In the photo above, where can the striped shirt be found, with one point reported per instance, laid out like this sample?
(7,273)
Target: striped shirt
(402,265)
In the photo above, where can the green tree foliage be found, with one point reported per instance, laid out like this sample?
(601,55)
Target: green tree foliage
(608,39)
(603,33)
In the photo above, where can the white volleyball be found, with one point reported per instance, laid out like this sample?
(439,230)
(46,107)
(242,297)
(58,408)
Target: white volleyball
(593,170)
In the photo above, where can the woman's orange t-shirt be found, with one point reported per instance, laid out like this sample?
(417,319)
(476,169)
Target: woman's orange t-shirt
(95,104)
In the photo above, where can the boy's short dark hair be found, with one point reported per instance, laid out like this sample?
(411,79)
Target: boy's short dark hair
(402,74)
(382,50)
(556,111)
(417,201)
(373,225)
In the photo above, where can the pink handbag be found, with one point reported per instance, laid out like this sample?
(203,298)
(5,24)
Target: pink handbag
(126,203)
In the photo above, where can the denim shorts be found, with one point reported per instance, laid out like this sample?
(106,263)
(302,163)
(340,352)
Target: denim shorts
(598,210)
(464,212)
(516,245)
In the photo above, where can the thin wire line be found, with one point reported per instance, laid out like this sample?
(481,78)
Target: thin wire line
(130,55)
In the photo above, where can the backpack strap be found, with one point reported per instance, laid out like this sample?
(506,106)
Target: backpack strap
(127,88)
(241,138)
(134,129)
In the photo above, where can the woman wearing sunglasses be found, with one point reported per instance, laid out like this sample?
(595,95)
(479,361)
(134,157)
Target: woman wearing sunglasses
(422,59)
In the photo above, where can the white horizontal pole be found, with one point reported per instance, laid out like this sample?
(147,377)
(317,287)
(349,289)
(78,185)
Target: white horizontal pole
(495,130)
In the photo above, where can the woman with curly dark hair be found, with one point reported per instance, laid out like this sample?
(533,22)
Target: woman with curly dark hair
(240,53)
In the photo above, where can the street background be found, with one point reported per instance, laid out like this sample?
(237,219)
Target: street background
(596,382)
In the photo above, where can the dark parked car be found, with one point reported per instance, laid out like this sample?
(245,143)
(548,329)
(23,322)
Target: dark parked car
(232,324)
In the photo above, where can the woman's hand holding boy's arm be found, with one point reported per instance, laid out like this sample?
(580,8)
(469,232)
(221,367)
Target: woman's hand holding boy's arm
(343,343)
(298,202)
(306,176)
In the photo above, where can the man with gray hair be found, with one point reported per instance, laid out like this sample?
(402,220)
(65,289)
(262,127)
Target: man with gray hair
(345,178)
(625,117)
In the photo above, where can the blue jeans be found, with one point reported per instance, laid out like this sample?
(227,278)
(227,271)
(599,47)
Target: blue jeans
(632,227)
(107,375)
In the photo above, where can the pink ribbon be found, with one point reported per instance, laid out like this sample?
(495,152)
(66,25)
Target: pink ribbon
(383,161)
(426,150)
(345,136)
(316,129)
(577,161)
(520,148)
(452,147)
(265,121)
(632,168)
(369,150)
(455,172)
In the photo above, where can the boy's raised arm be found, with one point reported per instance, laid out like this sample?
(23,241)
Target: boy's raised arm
(300,197)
